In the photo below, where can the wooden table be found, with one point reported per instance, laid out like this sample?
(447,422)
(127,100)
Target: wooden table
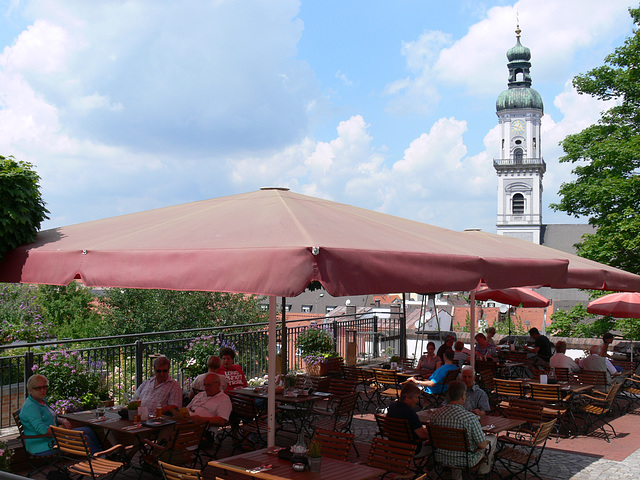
(492,424)
(330,470)
(121,428)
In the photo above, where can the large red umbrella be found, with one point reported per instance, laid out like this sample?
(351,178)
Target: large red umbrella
(274,242)
(514,296)
(619,305)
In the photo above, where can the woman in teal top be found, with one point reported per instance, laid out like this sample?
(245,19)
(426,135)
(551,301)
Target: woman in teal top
(37,417)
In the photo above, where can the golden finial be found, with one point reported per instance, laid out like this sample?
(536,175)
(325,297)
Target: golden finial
(518,31)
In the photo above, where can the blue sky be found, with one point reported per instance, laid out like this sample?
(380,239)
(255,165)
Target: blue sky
(124,106)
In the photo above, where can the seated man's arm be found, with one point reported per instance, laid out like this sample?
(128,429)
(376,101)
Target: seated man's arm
(424,383)
(422,433)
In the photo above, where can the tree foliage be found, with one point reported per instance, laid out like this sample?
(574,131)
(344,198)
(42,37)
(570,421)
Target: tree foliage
(22,209)
(70,309)
(136,311)
(606,156)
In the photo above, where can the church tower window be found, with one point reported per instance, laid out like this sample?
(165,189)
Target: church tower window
(518,204)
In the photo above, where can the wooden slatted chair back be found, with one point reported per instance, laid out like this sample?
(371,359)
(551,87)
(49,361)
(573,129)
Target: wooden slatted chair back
(391,456)
(451,376)
(334,364)
(624,364)
(351,373)
(592,377)
(174,472)
(543,433)
(244,407)
(551,393)
(187,438)
(487,379)
(528,410)
(563,374)
(71,442)
(334,444)
(341,388)
(452,439)
(509,388)
(396,429)
(482,365)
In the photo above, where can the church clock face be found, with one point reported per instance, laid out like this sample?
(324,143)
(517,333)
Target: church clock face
(517,127)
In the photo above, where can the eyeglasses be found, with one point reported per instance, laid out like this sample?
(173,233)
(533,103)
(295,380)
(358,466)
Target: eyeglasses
(164,370)
(42,387)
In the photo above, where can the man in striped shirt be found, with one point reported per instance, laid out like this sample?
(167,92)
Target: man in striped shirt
(454,415)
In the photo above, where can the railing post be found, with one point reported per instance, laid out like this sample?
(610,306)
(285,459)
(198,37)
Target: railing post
(139,369)
(334,325)
(28,368)
(376,346)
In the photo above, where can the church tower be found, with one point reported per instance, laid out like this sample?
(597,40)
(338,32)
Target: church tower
(520,167)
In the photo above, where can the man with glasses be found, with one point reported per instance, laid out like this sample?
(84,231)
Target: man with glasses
(212,405)
(160,390)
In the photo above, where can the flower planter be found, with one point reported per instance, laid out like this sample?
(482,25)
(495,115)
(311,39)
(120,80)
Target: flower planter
(318,369)
(314,463)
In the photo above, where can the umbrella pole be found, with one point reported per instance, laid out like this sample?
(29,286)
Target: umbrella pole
(284,355)
(472,328)
(403,328)
(271,387)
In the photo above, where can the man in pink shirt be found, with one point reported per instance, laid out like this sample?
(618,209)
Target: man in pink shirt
(233,373)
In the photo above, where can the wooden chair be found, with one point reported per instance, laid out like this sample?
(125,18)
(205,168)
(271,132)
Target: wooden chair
(557,404)
(334,444)
(183,448)
(387,386)
(406,362)
(73,445)
(173,472)
(365,385)
(520,456)
(393,457)
(632,391)
(507,389)
(451,439)
(340,418)
(37,463)
(398,430)
(598,407)
(252,427)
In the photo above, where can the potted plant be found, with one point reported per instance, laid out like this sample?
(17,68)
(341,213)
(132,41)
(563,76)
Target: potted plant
(132,409)
(316,345)
(314,453)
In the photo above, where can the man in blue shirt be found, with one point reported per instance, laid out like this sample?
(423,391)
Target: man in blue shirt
(435,384)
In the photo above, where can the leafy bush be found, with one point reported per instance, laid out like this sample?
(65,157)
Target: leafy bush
(315,341)
(20,317)
(72,379)
(199,350)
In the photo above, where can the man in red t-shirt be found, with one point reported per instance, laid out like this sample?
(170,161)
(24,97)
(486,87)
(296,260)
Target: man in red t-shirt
(233,373)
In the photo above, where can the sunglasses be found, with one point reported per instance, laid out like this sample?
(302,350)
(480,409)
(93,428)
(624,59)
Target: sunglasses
(164,370)
(43,387)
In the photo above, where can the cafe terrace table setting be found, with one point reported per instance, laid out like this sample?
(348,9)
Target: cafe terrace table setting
(490,423)
(123,428)
(249,463)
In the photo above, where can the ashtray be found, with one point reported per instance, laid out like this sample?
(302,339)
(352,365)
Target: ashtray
(298,467)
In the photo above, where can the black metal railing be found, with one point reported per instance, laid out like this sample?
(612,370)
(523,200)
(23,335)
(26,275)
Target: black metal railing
(125,361)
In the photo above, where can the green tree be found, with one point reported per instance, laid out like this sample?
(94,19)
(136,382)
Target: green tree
(22,209)
(70,310)
(607,159)
(577,322)
(136,311)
